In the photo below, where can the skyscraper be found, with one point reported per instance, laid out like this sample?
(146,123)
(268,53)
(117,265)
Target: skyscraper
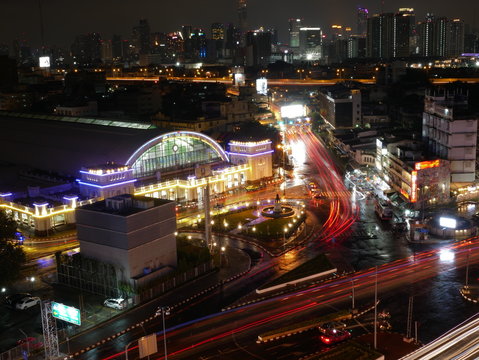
(426,36)
(217,31)
(242,19)
(310,42)
(362,26)
(404,22)
(294,26)
(455,37)
(141,37)
(380,36)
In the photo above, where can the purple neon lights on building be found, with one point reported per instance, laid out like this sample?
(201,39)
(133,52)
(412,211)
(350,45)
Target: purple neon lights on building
(105,186)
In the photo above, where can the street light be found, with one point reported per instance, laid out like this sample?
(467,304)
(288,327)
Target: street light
(284,237)
(164,310)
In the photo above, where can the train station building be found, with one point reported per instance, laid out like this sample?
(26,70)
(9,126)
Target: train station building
(55,164)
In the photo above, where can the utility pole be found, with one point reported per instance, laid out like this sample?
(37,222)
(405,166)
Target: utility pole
(409,317)
(206,201)
(467,269)
(352,289)
(376,311)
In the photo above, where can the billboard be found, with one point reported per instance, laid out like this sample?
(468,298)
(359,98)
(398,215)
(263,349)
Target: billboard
(447,222)
(262,86)
(66,313)
(239,79)
(292,111)
(44,61)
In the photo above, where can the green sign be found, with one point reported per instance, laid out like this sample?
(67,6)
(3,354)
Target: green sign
(66,313)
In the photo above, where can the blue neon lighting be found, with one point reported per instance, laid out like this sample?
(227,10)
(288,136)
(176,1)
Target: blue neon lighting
(105,186)
(6,194)
(158,139)
(111,173)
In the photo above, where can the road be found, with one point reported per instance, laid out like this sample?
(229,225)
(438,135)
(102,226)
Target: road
(239,328)
(460,343)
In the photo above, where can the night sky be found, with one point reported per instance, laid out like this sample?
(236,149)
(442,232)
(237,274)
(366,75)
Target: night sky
(64,19)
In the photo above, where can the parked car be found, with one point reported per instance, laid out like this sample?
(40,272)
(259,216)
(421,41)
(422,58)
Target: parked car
(117,304)
(12,300)
(27,302)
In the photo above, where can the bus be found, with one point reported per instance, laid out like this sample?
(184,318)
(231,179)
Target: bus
(383,209)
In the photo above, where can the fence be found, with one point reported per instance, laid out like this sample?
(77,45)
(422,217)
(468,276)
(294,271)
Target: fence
(175,281)
(21,352)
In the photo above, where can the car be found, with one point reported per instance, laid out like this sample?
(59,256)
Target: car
(334,336)
(12,300)
(117,303)
(27,302)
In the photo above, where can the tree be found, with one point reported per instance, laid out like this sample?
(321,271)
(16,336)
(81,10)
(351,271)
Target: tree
(12,256)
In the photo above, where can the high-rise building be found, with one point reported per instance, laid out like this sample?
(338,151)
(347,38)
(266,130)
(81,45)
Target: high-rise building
(217,31)
(362,25)
(380,36)
(455,38)
(106,51)
(258,48)
(242,20)
(86,49)
(310,42)
(141,37)
(426,36)
(116,47)
(440,36)
(404,22)
(294,26)
(356,46)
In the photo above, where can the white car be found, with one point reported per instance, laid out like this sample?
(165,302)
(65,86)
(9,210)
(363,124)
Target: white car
(118,304)
(27,302)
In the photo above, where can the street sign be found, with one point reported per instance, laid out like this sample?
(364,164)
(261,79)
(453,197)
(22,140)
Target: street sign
(66,313)
(147,345)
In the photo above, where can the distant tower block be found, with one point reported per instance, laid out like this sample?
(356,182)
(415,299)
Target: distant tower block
(258,156)
(104,181)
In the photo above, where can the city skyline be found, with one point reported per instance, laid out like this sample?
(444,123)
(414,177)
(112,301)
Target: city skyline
(110,18)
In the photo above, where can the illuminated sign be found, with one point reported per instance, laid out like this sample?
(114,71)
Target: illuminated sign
(44,61)
(447,222)
(427,165)
(414,186)
(292,111)
(239,80)
(405,194)
(262,86)
(66,313)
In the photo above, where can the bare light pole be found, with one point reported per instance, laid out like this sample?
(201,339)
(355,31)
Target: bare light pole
(376,311)
(467,269)
(165,311)
(352,289)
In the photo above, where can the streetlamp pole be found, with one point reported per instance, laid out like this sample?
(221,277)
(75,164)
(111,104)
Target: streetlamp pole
(376,311)
(467,269)
(352,289)
(165,311)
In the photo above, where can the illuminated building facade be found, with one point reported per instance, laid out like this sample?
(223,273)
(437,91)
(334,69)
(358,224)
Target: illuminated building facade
(416,182)
(450,131)
(174,166)
(256,155)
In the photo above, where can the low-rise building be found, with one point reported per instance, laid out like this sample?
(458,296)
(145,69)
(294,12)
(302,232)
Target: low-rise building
(135,234)
(417,181)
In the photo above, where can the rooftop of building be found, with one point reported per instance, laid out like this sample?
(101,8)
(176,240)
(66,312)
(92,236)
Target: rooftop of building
(64,145)
(125,205)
